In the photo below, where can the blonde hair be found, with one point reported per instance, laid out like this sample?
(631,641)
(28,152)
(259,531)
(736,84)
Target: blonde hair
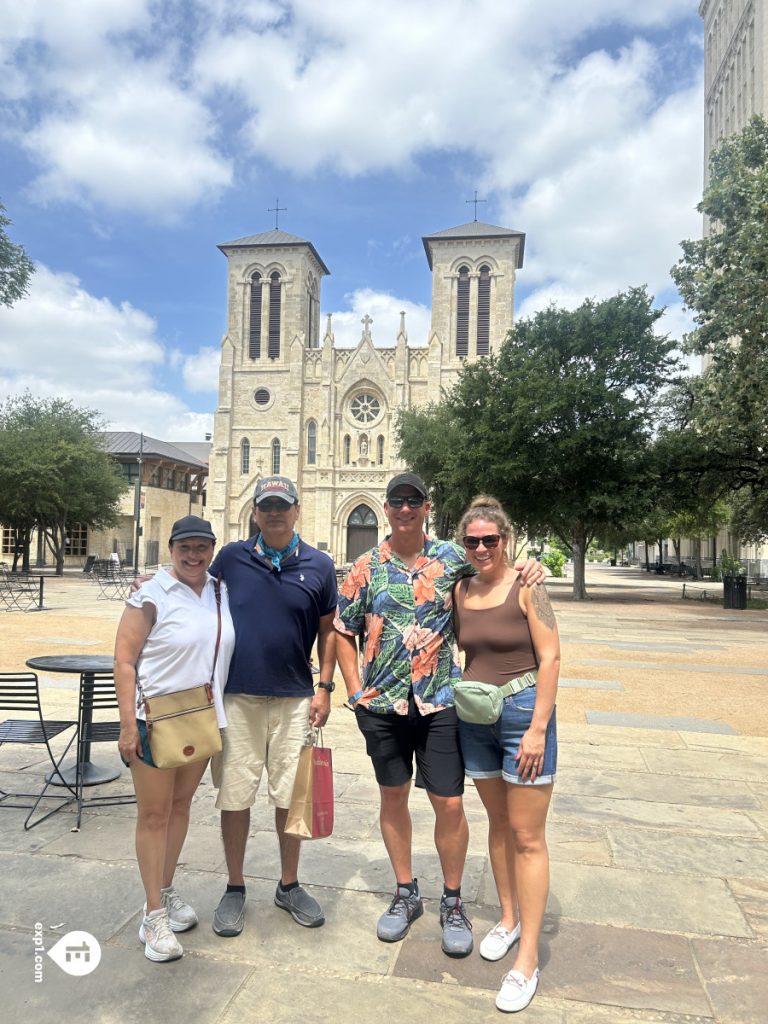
(485,507)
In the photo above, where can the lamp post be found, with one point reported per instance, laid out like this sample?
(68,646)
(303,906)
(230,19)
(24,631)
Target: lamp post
(137,507)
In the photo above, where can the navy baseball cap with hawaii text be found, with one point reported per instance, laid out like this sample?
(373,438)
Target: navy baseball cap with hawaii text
(276,487)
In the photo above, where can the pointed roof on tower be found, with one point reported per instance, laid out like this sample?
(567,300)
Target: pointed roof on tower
(474,230)
(274,239)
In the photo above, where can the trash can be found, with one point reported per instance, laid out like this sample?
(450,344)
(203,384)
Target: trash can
(735,592)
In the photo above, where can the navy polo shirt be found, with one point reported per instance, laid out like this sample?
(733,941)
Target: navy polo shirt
(276,616)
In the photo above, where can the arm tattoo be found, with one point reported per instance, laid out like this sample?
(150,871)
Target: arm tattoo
(543,607)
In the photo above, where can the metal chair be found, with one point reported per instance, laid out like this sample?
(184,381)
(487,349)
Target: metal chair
(20,691)
(97,694)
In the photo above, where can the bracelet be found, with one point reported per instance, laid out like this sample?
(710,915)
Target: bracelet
(354,698)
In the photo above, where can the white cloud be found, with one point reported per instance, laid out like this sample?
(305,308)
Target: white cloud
(60,341)
(384,310)
(201,370)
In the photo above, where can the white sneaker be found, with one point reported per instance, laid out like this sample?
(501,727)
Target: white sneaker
(516,991)
(180,914)
(159,941)
(498,942)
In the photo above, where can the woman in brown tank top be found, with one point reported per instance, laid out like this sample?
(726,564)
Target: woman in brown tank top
(507,631)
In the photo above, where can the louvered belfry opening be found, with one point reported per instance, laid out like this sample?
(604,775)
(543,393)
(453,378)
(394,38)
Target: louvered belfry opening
(275,456)
(462,313)
(273,344)
(484,311)
(245,456)
(254,327)
(311,443)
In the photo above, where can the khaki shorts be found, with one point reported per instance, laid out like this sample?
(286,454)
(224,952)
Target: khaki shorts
(261,731)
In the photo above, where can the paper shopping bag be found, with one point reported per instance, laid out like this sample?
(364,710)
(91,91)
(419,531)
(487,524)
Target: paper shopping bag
(310,815)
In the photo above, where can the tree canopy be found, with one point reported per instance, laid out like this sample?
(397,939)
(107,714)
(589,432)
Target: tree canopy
(722,278)
(559,425)
(16,267)
(54,471)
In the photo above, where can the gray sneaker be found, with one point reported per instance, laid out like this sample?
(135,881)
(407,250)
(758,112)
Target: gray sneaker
(230,914)
(405,907)
(303,908)
(457,928)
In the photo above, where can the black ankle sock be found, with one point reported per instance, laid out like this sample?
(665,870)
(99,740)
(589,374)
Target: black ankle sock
(410,886)
(451,892)
(236,888)
(287,888)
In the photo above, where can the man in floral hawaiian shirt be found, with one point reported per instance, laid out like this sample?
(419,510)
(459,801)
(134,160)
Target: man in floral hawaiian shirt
(397,597)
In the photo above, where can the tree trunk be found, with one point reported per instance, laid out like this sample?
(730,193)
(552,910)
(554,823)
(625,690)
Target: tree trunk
(697,557)
(676,544)
(579,548)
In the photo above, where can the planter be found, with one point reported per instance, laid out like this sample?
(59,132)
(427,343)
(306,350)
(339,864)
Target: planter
(735,592)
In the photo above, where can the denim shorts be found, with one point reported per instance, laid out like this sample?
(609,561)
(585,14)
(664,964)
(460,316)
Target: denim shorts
(489,750)
(146,753)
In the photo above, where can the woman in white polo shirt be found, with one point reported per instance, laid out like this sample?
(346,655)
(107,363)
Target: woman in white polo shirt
(166,642)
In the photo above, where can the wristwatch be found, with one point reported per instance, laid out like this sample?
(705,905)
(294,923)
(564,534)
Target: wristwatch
(330,687)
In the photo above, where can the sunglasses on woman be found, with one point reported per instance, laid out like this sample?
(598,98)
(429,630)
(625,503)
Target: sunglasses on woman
(412,501)
(491,540)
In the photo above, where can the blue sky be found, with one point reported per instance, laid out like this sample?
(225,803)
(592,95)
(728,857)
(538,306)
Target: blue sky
(136,135)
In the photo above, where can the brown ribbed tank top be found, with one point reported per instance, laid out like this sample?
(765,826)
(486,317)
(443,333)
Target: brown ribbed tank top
(496,641)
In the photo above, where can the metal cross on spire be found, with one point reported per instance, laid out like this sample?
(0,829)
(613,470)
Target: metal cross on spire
(475,201)
(277,209)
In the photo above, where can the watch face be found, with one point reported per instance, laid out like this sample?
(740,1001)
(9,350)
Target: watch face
(330,687)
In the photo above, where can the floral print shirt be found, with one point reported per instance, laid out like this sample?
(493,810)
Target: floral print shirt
(404,617)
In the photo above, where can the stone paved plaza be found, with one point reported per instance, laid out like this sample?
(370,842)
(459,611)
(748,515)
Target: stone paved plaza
(659,841)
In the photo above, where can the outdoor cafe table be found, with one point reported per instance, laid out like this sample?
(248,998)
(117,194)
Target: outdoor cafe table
(86,666)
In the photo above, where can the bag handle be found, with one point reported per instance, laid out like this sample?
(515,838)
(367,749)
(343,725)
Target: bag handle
(217,590)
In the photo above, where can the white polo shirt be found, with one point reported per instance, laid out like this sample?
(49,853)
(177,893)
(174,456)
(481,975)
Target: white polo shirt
(178,653)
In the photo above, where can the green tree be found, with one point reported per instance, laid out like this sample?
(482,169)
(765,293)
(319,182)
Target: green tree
(16,267)
(722,278)
(426,439)
(54,471)
(558,426)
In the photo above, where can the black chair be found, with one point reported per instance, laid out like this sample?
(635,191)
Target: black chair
(20,691)
(97,694)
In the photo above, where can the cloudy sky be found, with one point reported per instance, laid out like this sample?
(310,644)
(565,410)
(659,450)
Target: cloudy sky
(135,135)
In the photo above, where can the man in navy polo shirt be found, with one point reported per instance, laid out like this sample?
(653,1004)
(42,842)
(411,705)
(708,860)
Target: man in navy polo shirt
(282,596)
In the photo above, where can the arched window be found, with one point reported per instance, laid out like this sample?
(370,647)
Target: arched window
(313,333)
(275,455)
(380,449)
(245,456)
(254,335)
(311,443)
(273,343)
(462,313)
(483,311)
(347,449)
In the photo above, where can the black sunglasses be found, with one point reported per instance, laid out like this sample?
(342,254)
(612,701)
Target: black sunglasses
(276,505)
(413,501)
(489,541)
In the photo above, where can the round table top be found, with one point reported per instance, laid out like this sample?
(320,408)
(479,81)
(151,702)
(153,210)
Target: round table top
(73,663)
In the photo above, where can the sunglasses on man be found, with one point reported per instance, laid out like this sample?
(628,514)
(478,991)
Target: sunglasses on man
(412,501)
(274,505)
(491,540)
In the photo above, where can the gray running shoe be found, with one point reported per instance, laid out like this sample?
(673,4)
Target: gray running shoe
(230,914)
(457,928)
(303,908)
(405,907)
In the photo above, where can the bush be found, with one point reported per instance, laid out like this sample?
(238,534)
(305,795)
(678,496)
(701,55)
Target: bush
(554,561)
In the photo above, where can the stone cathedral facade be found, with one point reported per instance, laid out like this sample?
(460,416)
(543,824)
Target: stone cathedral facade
(291,402)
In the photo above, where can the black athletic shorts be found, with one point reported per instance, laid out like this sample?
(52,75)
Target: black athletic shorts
(393,740)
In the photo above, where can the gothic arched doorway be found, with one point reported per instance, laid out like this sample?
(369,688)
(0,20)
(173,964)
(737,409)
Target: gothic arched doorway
(362,531)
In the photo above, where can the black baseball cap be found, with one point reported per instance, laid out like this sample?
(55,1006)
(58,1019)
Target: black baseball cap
(276,487)
(192,526)
(407,480)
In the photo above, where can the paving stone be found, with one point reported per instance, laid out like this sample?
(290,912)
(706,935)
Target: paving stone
(710,764)
(125,987)
(590,684)
(690,647)
(615,736)
(736,979)
(572,841)
(590,1013)
(628,898)
(671,722)
(657,788)
(705,856)
(753,745)
(598,755)
(672,817)
(676,666)
(752,897)
(761,792)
